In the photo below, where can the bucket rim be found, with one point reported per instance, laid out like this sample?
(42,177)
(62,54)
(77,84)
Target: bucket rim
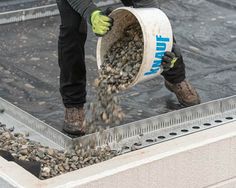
(135,13)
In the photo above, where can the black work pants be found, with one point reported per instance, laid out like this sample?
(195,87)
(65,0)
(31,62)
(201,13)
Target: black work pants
(71,42)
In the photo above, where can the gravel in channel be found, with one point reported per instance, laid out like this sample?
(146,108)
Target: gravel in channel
(53,162)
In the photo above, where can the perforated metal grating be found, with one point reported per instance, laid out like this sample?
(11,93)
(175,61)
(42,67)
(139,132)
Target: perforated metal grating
(167,126)
(133,135)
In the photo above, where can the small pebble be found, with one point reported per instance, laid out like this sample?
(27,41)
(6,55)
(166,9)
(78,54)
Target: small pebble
(29,86)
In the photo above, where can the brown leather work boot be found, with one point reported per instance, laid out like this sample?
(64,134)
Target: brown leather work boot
(185,93)
(73,123)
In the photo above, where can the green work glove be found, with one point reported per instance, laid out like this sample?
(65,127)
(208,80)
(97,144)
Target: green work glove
(170,59)
(101,23)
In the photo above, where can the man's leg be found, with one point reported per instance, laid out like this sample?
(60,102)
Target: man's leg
(127,2)
(71,56)
(175,81)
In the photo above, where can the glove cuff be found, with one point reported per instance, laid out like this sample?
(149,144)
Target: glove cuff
(88,12)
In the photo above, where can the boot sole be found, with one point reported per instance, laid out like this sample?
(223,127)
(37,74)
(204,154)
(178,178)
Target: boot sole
(76,133)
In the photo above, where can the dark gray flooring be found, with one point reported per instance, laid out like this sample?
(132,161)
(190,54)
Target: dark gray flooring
(205,30)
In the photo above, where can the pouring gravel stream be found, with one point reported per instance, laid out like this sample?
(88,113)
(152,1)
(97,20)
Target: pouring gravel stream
(119,69)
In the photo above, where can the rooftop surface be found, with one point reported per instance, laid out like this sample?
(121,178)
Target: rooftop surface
(30,73)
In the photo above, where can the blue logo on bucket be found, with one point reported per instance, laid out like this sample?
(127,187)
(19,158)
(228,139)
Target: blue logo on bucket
(160,50)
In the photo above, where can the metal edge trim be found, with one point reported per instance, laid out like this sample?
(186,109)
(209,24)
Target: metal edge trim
(39,126)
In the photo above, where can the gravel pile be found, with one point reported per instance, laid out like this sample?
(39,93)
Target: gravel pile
(123,60)
(119,69)
(53,162)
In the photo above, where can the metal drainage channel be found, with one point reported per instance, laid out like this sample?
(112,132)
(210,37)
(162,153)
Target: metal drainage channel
(38,12)
(131,136)
(172,133)
(157,129)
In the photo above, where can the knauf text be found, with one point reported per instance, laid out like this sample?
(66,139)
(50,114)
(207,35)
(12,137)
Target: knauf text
(161,44)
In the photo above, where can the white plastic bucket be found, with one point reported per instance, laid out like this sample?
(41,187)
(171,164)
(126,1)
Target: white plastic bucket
(157,36)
